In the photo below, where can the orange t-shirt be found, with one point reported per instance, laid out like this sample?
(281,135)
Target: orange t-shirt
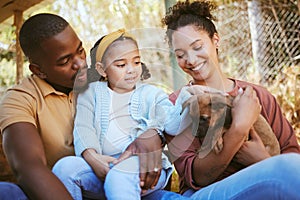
(51,112)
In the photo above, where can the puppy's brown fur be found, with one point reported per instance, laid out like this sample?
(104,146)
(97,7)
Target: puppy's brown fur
(211,115)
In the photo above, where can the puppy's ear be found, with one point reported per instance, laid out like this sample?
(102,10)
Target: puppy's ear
(195,114)
(218,102)
(192,105)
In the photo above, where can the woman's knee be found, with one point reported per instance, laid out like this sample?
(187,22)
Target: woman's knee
(286,162)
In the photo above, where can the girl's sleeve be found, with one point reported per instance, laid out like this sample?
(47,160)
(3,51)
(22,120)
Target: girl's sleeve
(85,132)
(173,115)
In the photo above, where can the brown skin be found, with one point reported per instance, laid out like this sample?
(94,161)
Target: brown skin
(58,62)
(122,60)
(98,162)
(25,153)
(196,55)
(208,169)
(148,148)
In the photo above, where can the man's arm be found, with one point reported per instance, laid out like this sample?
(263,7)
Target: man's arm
(25,153)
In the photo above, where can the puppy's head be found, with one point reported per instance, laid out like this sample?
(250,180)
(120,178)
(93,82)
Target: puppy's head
(210,112)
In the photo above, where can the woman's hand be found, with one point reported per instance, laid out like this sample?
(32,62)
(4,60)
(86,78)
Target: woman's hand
(98,162)
(252,151)
(245,110)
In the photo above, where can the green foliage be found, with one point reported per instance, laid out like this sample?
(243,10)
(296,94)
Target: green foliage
(286,89)
(7,42)
(92,19)
(8,73)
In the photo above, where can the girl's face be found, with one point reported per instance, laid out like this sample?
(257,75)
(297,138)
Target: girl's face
(196,53)
(122,65)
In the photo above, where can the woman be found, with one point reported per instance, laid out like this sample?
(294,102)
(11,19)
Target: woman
(195,41)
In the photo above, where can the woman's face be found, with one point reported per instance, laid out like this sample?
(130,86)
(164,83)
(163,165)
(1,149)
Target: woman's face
(123,66)
(196,52)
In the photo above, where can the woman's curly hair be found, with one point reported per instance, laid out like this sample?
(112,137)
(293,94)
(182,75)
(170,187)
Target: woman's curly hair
(197,13)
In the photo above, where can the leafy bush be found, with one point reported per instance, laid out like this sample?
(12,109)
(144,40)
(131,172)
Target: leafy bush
(286,88)
(8,73)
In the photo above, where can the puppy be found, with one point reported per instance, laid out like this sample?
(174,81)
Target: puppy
(211,118)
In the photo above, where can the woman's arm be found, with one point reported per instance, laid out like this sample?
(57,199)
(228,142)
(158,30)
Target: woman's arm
(199,172)
(246,108)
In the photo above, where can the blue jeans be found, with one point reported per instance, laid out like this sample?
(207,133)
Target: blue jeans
(274,178)
(11,191)
(122,181)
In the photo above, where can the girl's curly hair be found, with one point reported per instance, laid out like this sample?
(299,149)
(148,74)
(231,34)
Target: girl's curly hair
(92,72)
(197,13)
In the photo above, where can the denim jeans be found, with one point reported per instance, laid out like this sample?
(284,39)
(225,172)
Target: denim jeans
(11,191)
(122,181)
(274,178)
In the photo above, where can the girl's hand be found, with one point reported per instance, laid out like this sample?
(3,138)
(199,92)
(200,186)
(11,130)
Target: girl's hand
(252,151)
(98,162)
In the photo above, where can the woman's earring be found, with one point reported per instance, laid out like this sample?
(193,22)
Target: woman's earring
(217,44)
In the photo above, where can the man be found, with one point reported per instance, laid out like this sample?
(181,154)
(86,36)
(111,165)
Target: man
(36,116)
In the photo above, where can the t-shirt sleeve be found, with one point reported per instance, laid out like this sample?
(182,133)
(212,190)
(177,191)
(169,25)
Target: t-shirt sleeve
(272,112)
(17,106)
(280,125)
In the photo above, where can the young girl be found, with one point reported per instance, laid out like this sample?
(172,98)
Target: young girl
(113,112)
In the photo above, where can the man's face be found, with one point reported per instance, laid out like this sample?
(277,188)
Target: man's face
(62,57)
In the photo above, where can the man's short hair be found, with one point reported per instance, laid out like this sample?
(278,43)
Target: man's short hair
(37,29)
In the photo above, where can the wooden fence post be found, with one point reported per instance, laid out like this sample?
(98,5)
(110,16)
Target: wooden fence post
(18,20)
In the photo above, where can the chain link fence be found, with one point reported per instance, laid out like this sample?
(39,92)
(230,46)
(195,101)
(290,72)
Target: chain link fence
(260,43)
(258,38)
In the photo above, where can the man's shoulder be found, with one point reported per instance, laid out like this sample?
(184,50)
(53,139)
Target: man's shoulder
(27,84)
(25,87)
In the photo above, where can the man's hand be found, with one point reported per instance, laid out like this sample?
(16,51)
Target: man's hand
(148,148)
